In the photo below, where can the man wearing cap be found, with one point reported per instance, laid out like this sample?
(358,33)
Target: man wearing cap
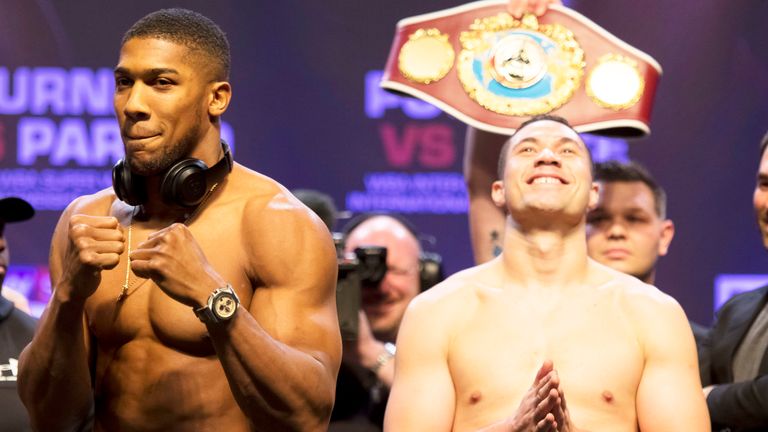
(16,327)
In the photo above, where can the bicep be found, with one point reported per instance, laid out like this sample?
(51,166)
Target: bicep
(422,396)
(669,396)
(295,264)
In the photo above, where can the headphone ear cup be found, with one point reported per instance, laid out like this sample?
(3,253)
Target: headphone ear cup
(184,184)
(129,188)
(430,270)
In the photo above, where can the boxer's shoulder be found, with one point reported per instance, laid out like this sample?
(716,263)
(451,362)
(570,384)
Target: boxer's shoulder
(101,203)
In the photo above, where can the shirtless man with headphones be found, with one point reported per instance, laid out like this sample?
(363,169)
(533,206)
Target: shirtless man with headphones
(184,297)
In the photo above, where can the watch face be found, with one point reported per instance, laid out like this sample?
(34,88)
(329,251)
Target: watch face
(224,306)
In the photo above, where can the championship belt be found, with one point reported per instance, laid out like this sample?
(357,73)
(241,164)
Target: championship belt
(479,64)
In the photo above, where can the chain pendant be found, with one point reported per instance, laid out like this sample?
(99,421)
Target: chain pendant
(124,289)
(123,294)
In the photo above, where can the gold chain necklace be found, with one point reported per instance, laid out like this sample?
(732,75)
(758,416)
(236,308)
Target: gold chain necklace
(126,285)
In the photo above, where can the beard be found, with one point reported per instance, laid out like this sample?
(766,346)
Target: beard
(169,155)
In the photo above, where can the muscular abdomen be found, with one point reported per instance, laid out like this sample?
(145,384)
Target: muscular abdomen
(148,386)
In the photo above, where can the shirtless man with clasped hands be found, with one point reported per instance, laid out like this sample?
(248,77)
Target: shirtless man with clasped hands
(543,338)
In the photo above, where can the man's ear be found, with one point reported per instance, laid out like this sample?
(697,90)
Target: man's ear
(594,196)
(497,194)
(667,233)
(219,96)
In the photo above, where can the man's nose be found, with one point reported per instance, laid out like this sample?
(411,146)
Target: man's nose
(617,230)
(385,285)
(135,106)
(547,157)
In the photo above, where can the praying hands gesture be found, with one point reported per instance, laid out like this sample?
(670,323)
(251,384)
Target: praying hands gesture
(543,408)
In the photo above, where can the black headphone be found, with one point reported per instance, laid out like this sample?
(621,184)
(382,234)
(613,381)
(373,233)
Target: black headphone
(431,270)
(184,184)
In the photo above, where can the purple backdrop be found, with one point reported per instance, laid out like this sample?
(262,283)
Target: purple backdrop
(307,112)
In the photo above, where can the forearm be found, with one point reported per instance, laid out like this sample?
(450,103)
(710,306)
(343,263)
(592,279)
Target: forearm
(486,221)
(54,377)
(278,387)
(486,228)
(375,357)
(386,374)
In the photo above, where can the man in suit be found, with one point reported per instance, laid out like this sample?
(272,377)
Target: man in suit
(734,360)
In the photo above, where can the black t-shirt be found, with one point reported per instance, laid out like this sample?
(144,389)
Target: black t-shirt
(16,330)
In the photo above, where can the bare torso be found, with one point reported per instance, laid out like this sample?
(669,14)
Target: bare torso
(500,337)
(155,366)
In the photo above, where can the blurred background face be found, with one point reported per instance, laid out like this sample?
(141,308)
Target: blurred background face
(625,232)
(385,304)
(760,198)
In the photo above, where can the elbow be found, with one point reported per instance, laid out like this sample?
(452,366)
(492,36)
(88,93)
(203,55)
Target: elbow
(317,414)
(23,384)
(45,412)
(295,415)
(298,422)
(323,412)
(72,421)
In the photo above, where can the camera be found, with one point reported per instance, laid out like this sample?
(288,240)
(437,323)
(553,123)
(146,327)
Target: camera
(365,267)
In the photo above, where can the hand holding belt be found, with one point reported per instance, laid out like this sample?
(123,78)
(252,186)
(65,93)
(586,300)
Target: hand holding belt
(492,71)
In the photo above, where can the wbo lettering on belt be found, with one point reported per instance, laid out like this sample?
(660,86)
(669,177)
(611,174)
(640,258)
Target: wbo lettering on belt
(492,71)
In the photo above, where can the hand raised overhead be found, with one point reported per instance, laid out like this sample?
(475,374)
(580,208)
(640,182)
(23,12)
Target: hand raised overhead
(518,7)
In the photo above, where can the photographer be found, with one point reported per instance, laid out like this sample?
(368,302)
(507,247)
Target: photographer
(381,269)
(367,369)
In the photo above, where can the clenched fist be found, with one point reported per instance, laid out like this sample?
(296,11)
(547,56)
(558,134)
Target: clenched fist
(173,259)
(95,244)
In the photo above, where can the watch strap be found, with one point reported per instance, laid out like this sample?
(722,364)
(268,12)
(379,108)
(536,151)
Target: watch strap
(206,313)
(384,357)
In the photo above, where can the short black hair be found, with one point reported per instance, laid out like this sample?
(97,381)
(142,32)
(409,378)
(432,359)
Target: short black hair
(534,119)
(614,171)
(188,28)
(320,203)
(763,144)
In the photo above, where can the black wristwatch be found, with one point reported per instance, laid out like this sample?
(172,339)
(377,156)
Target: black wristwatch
(222,305)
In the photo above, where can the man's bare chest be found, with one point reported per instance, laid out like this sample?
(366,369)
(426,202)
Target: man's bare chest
(495,355)
(127,306)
